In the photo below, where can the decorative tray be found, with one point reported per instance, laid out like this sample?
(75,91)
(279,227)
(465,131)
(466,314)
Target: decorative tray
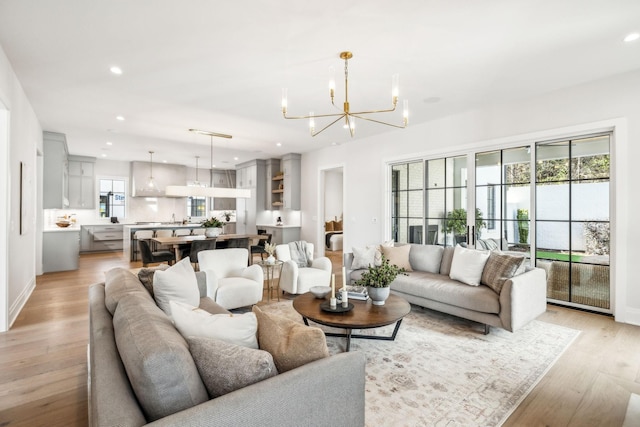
(326,306)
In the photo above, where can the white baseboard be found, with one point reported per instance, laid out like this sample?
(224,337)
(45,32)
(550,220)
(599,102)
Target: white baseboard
(632,316)
(19,303)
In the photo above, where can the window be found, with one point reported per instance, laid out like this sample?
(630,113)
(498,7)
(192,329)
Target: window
(196,206)
(112,198)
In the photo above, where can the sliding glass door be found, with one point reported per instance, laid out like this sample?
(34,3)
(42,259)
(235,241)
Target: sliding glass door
(548,201)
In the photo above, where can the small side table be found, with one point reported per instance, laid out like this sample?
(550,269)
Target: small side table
(270,270)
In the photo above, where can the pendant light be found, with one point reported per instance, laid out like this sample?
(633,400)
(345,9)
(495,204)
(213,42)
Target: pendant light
(151,183)
(201,190)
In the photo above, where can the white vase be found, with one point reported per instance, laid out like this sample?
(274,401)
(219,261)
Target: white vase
(378,295)
(212,232)
(271,259)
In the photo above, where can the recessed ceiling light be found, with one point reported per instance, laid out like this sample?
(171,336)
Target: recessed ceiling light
(120,118)
(164,161)
(279,144)
(104,155)
(632,37)
(235,158)
(116,70)
(334,143)
(109,143)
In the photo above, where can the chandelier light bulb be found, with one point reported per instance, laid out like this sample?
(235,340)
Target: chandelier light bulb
(312,123)
(405,111)
(284,100)
(395,87)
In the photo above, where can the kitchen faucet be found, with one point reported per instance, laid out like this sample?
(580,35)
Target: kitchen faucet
(173,218)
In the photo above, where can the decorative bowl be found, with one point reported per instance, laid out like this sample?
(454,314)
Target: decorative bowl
(320,291)
(63,224)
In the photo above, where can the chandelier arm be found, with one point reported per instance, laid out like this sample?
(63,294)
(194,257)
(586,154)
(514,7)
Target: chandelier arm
(378,121)
(315,116)
(332,123)
(390,110)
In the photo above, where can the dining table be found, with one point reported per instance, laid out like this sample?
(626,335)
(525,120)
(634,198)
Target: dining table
(180,242)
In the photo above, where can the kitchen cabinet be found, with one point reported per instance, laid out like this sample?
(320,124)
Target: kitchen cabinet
(100,238)
(60,250)
(291,169)
(281,234)
(163,174)
(223,179)
(250,175)
(55,171)
(82,182)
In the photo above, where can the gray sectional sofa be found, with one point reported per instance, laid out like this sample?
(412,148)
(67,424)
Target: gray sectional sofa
(125,323)
(522,298)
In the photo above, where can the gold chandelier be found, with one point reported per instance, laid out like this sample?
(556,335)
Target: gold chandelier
(348,116)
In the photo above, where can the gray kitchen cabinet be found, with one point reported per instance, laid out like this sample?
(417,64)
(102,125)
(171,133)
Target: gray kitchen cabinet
(223,179)
(250,175)
(100,238)
(55,171)
(291,168)
(282,234)
(60,250)
(82,182)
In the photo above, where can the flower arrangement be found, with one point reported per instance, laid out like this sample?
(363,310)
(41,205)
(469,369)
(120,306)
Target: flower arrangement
(227,215)
(270,248)
(380,276)
(212,223)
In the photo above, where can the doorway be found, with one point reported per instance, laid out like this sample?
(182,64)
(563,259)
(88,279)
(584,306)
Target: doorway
(332,211)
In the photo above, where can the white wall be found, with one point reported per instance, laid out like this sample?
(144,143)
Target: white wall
(575,109)
(24,140)
(333,195)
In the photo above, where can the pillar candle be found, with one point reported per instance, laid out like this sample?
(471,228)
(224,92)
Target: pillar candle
(344,277)
(333,286)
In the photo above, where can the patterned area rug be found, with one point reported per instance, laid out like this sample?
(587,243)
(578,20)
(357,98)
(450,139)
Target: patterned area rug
(442,371)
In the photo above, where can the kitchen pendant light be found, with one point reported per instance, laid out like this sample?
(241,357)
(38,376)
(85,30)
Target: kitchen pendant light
(151,183)
(200,190)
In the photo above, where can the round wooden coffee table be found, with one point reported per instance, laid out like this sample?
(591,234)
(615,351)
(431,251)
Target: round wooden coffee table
(364,315)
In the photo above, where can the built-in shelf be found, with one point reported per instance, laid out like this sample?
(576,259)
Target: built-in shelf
(281,190)
(278,204)
(278,178)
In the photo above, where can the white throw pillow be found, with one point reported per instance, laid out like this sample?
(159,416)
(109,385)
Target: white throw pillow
(238,329)
(363,257)
(177,283)
(467,265)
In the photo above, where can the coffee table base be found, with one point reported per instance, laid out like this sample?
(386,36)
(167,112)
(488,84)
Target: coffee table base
(349,335)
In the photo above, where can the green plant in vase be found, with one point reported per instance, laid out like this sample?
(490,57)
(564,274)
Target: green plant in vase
(522,217)
(378,279)
(213,226)
(456,223)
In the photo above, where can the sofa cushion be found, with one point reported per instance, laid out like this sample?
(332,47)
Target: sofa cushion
(177,283)
(145,275)
(364,257)
(291,344)
(500,268)
(441,288)
(120,282)
(225,367)
(447,258)
(160,368)
(238,329)
(398,255)
(426,258)
(467,265)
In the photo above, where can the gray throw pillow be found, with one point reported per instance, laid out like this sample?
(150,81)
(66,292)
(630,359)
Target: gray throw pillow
(500,268)
(225,367)
(145,275)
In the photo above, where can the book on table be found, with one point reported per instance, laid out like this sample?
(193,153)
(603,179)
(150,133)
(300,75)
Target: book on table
(355,292)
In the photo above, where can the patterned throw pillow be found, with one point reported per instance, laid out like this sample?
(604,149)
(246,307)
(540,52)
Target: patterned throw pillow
(290,343)
(500,268)
(145,275)
(363,257)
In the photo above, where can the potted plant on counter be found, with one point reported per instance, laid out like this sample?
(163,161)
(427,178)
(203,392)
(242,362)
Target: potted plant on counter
(378,280)
(213,227)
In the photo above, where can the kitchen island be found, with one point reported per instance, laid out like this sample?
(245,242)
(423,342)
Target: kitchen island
(60,248)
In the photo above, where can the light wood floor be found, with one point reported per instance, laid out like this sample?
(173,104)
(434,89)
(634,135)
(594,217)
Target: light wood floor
(43,364)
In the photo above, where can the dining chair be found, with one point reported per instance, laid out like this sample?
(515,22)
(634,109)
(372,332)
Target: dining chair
(196,247)
(162,233)
(259,247)
(137,236)
(181,232)
(152,257)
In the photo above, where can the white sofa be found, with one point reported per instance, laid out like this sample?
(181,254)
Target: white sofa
(297,280)
(522,298)
(230,282)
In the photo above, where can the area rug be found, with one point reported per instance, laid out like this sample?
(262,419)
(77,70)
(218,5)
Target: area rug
(442,371)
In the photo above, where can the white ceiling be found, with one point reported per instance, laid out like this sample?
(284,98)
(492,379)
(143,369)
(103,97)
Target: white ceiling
(220,66)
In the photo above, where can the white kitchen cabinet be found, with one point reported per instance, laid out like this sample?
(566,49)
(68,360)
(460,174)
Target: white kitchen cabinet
(291,181)
(55,171)
(60,250)
(163,174)
(82,182)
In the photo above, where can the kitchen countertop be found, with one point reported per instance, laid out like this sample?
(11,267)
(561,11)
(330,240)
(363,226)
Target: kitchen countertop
(277,226)
(55,228)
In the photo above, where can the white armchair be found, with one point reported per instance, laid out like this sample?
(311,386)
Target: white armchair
(298,280)
(230,282)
